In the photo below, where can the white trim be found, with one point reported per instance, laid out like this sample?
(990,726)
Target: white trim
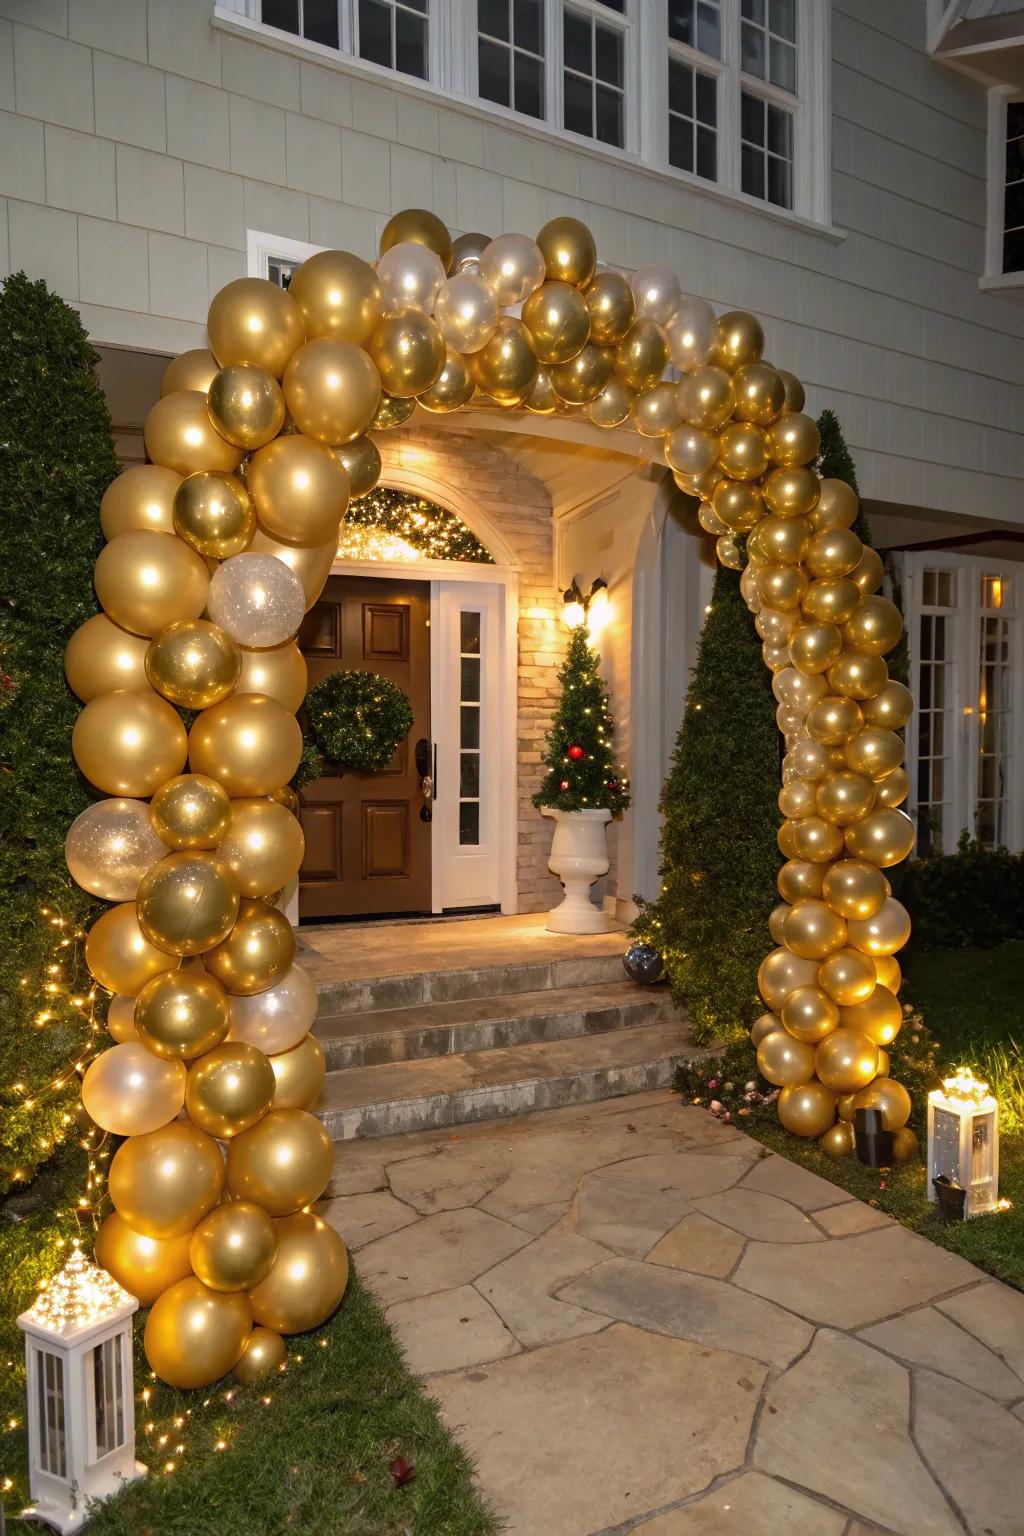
(261,248)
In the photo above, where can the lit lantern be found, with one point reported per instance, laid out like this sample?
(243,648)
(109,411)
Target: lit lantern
(963,1141)
(81,1396)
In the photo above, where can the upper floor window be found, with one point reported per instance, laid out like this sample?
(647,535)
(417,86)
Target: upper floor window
(394,33)
(1013,189)
(510,54)
(594,72)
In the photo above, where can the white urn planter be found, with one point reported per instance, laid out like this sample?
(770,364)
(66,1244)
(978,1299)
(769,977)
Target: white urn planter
(579,856)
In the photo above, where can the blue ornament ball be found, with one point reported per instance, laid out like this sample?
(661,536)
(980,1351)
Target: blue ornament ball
(643,964)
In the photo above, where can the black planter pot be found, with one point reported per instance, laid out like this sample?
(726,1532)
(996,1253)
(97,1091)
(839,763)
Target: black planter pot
(952,1198)
(872,1141)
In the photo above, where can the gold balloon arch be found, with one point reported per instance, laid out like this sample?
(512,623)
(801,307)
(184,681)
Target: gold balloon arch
(218,546)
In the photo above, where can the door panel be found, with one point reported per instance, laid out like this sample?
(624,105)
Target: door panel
(367,850)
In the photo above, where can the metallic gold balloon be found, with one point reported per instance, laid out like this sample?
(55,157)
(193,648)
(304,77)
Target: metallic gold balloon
(760,393)
(845,797)
(311,563)
(586,376)
(780,540)
(763,1026)
(876,624)
(888,1096)
(780,973)
(889,975)
(641,357)
(879,1015)
(229,1089)
(409,353)
(830,599)
(808,1110)
(833,552)
(785,1062)
(233,1247)
(182,1014)
(194,369)
(814,647)
(466,312)
(453,388)
(730,553)
(421,228)
(809,1014)
(109,847)
(187,902)
(101,658)
(884,838)
(141,498)
(128,743)
(793,439)
(786,841)
(837,505)
(848,976)
(289,798)
(855,889)
(332,390)
(794,390)
(690,450)
(739,340)
(121,1019)
(193,663)
(280,673)
(610,408)
(194,1336)
(360,460)
(858,674)
(391,413)
(257,952)
(868,572)
(299,1074)
(846,1060)
(214,514)
(278,1017)
(300,491)
(128,1091)
(612,308)
(263,848)
(506,366)
(817,840)
(894,788)
(263,1355)
(144,1266)
(812,930)
(780,586)
(255,323)
(904,1145)
(885,933)
(738,504)
(190,811)
(557,322)
(120,956)
(891,707)
(791,492)
(833,720)
(308,1280)
(741,451)
(246,406)
(796,799)
(146,581)
(162,1183)
(250,743)
(875,751)
(838,1140)
(180,435)
(706,397)
(569,251)
(338,295)
(282,1163)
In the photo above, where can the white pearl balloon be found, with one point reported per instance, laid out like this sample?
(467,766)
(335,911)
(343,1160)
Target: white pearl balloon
(410,275)
(691,331)
(513,266)
(467,313)
(256,599)
(129,1091)
(657,292)
(110,846)
(276,1020)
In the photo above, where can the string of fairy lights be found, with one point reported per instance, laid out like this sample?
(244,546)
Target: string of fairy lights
(393,525)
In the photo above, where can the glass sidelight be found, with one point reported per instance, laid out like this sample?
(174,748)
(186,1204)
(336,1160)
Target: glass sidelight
(470,700)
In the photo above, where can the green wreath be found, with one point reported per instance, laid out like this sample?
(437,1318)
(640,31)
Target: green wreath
(357,719)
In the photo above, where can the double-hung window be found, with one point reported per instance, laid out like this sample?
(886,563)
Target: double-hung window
(391,33)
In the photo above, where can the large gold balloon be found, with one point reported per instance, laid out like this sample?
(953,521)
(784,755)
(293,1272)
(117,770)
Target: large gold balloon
(338,295)
(310,562)
(422,228)
(557,322)
(214,514)
(120,956)
(570,254)
(193,663)
(250,743)
(299,1075)
(816,839)
(233,1247)
(263,848)
(706,397)
(791,492)
(190,811)
(586,376)
(128,1091)
(690,450)
(844,797)
(894,788)
(848,976)
(246,406)
(466,312)
(279,1016)
(904,1145)
(813,647)
(830,599)
(146,581)
(833,552)
(360,459)
(858,674)
(888,970)
(409,353)
(229,1089)
(101,658)
(280,673)
(837,505)
(143,1265)
(109,847)
(187,902)
(254,322)
(808,1110)
(809,1014)
(885,933)
(795,397)
(890,708)
(810,760)
(846,1060)
(854,888)
(780,586)
(741,451)
(739,340)
(452,389)
(783,540)
(282,1163)
(194,369)
(794,439)
(257,952)
(505,366)
(182,1014)
(194,1336)
(264,1355)
(180,435)
(308,1280)
(332,390)
(784,1061)
(876,624)
(838,1140)
(641,356)
(760,393)
(812,930)
(883,838)
(738,504)
(140,498)
(868,573)
(875,751)
(888,1096)
(161,1184)
(780,973)
(300,491)
(762,1026)
(833,719)
(612,308)
(879,1016)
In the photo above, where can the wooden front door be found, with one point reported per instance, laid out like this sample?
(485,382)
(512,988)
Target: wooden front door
(367,848)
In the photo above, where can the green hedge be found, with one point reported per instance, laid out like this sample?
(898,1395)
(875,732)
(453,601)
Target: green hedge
(971,898)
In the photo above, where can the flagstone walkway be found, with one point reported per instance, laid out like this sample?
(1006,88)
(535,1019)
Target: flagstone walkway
(637,1320)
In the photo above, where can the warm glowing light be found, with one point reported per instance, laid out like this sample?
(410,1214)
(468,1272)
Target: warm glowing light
(574,615)
(81,1294)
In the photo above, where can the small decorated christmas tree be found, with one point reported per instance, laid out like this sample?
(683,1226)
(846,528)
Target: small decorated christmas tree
(582,775)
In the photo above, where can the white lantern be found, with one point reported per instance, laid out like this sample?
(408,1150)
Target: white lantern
(963,1140)
(81,1394)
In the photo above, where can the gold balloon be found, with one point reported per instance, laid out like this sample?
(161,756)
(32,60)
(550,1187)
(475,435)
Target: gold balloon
(848,976)
(791,492)
(120,956)
(586,376)
(332,390)
(101,658)
(889,974)
(140,498)
(816,839)
(809,1014)
(250,743)
(128,743)
(869,571)
(884,933)
(193,663)
(262,1356)
(741,451)
(258,951)
(876,624)
(146,581)
(409,353)
(289,798)
(190,811)
(611,407)
(794,439)
(782,540)
(300,491)
(453,388)
(246,406)
(706,398)
(883,838)
(738,504)
(855,889)
(780,586)
(785,1062)
(557,322)
(812,930)
(311,563)
(690,450)
(833,552)
(808,1110)
(360,460)
(187,902)
(506,366)
(194,1336)
(729,553)
(838,1140)
(837,505)
(641,357)
(338,295)
(894,788)
(280,673)
(422,228)
(846,1060)
(891,707)
(858,674)
(888,1096)
(796,798)
(299,1075)
(776,918)
(879,1016)
(233,1247)
(466,312)
(570,254)
(182,1014)
(144,1266)
(844,797)
(809,760)
(794,390)
(830,599)
(309,1278)
(194,369)
(904,1145)
(161,1184)
(121,1019)
(254,323)
(780,973)
(739,339)
(129,1092)
(278,1017)
(813,647)
(263,848)
(875,751)
(283,1162)
(799,880)
(765,1025)
(391,413)
(180,435)
(760,393)
(612,308)
(228,1090)
(833,720)
(214,514)
(786,840)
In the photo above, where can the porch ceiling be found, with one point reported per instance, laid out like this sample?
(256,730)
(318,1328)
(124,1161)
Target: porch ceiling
(983,37)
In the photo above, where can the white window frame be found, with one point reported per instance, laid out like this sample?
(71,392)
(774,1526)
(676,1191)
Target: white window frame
(261,248)
(994,278)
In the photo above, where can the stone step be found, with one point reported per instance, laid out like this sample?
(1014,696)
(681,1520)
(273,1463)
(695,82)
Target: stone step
(482,1085)
(484,1023)
(413,989)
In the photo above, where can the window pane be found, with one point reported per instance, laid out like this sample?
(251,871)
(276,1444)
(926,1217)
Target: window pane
(782,18)
(753,10)
(1014,159)
(470,678)
(469,822)
(1014,119)
(469,633)
(529,24)
(494,78)
(410,44)
(609,55)
(578,105)
(780,132)
(529,85)
(680,88)
(375,32)
(1013,205)
(577,44)
(609,117)
(469,726)
(707,154)
(680,143)
(752,51)
(751,118)
(780,182)
(782,65)
(281,13)
(681,21)
(469,773)
(492,18)
(752,171)
(1013,251)
(320,22)
(614,5)
(707,100)
(709,30)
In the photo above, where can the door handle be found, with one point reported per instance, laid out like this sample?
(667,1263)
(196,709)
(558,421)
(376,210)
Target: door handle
(422,757)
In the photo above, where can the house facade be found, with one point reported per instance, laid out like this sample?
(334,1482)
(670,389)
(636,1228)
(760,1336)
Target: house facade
(853,172)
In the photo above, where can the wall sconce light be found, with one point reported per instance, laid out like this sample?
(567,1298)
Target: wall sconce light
(594,610)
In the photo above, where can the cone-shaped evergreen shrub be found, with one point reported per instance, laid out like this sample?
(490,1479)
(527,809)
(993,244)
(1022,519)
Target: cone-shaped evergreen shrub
(579,751)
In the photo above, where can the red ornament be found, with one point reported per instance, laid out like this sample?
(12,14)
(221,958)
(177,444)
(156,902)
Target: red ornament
(564,785)
(576,754)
